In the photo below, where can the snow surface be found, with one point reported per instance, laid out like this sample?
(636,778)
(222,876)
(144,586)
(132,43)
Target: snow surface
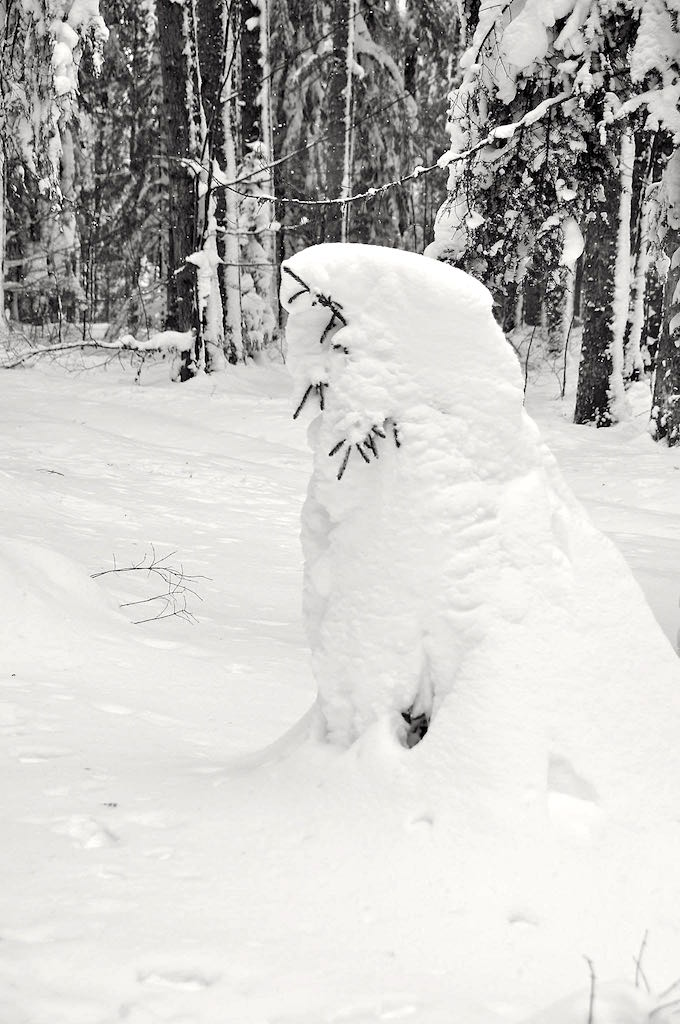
(162,862)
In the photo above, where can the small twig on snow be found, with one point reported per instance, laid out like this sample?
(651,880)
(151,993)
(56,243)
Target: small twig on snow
(526,360)
(664,1006)
(174,599)
(639,973)
(566,352)
(667,991)
(591,1001)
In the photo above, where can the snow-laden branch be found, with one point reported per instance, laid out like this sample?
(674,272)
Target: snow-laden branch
(500,132)
(170,342)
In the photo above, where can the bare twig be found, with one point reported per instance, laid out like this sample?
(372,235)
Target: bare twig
(526,360)
(88,343)
(664,1006)
(319,297)
(667,991)
(566,352)
(174,599)
(591,1001)
(639,973)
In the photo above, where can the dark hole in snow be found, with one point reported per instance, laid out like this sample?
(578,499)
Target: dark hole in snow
(416,727)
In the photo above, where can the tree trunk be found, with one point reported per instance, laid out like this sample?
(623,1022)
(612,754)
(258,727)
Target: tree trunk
(339,158)
(4,328)
(182,312)
(599,270)
(666,404)
(251,74)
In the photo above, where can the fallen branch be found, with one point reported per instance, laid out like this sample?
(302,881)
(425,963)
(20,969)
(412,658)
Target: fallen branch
(173,600)
(639,972)
(591,1001)
(161,342)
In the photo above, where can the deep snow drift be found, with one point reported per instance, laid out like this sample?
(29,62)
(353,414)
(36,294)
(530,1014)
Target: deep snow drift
(450,572)
(158,869)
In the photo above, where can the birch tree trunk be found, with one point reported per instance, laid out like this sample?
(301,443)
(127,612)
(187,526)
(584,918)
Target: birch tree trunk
(227,156)
(259,285)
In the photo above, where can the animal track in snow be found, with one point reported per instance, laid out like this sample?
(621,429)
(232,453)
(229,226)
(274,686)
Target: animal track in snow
(39,756)
(86,832)
(113,709)
(185,980)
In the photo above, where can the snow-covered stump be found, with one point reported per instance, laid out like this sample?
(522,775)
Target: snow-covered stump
(450,577)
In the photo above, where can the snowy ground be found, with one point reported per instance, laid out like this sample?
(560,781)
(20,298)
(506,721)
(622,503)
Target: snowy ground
(155,866)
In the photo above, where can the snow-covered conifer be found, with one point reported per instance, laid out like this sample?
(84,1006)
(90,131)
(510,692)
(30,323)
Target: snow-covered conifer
(547,95)
(41,45)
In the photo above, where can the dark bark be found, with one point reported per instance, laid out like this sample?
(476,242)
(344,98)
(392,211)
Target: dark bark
(666,402)
(336,119)
(599,263)
(251,74)
(533,293)
(216,84)
(182,314)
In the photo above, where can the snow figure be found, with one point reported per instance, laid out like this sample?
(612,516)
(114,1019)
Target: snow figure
(455,592)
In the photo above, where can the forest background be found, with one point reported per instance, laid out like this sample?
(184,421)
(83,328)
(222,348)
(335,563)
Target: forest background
(161,159)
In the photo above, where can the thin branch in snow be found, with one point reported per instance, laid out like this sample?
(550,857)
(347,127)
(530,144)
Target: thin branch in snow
(664,1006)
(302,401)
(671,988)
(362,453)
(174,599)
(639,973)
(320,390)
(526,360)
(323,300)
(328,328)
(591,1001)
(566,353)
(343,466)
(336,447)
(369,441)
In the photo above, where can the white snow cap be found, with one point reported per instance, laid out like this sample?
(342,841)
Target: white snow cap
(454,575)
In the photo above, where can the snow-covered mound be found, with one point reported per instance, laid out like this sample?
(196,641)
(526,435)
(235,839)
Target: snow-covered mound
(450,576)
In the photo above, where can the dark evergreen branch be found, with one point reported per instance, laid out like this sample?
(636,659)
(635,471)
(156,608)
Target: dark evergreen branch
(343,465)
(302,401)
(336,447)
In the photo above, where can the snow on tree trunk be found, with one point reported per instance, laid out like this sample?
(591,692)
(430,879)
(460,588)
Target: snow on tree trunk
(634,364)
(666,401)
(256,214)
(593,395)
(454,590)
(618,403)
(232,201)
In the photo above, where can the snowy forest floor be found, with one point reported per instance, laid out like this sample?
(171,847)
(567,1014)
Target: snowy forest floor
(151,872)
